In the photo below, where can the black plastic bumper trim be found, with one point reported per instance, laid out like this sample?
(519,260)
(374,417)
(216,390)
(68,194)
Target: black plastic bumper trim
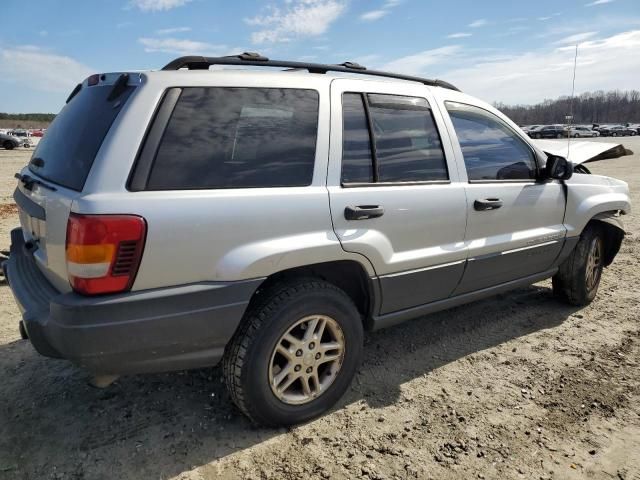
(153,330)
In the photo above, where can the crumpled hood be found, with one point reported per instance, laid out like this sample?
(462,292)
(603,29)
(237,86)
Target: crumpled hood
(582,151)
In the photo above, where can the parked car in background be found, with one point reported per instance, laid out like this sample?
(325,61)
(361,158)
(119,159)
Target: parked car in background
(548,131)
(37,133)
(616,131)
(19,132)
(532,128)
(9,142)
(634,126)
(578,131)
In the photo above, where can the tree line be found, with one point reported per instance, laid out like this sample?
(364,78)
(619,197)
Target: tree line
(590,107)
(36,117)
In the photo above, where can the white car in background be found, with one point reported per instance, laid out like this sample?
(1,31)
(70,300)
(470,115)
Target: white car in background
(582,131)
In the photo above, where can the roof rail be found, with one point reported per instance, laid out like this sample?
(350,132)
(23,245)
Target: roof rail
(257,60)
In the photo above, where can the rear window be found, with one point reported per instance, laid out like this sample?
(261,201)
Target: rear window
(238,138)
(71,143)
(407,146)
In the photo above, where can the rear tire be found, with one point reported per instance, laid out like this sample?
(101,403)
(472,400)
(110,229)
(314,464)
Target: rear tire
(559,135)
(8,145)
(256,360)
(579,275)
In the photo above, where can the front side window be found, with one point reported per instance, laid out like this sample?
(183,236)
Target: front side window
(238,138)
(491,150)
(405,140)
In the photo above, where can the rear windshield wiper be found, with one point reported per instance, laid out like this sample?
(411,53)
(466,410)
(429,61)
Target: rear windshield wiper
(74,92)
(28,181)
(119,87)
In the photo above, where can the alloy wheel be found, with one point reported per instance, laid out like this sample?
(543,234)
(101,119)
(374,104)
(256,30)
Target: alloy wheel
(594,264)
(306,359)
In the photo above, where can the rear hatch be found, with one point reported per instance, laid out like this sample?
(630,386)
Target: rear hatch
(60,165)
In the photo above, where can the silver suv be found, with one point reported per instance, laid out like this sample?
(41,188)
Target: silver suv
(265,219)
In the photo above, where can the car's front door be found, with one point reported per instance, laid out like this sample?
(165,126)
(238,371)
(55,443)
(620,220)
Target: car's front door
(515,221)
(394,189)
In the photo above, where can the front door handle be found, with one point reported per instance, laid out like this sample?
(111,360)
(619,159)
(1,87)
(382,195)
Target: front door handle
(362,212)
(487,204)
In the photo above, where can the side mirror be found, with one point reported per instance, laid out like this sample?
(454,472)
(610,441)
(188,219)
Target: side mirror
(558,168)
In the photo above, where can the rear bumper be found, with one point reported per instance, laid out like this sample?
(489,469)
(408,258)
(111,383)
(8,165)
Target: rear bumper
(145,331)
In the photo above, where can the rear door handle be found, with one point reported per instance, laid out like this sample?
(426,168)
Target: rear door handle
(487,204)
(362,212)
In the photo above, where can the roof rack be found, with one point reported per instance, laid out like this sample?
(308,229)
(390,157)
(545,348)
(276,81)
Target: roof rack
(257,60)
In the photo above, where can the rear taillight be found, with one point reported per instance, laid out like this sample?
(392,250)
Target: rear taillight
(104,252)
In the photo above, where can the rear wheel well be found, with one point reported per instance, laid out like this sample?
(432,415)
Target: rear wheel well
(613,236)
(348,275)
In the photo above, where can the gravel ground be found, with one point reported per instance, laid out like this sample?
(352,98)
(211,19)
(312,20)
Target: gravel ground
(518,386)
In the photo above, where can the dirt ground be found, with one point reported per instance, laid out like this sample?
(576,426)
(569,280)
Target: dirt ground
(518,386)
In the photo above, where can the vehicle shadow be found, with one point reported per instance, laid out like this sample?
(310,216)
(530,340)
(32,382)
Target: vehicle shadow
(158,426)
(407,351)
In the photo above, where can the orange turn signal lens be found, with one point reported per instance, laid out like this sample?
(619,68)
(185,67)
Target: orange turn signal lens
(90,253)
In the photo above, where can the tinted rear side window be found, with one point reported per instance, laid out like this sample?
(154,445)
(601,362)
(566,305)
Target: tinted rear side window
(408,146)
(238,138)
(72,141)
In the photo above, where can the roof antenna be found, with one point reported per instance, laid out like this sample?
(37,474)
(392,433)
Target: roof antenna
(573,89)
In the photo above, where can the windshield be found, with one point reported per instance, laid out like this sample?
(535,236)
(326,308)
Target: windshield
(66,153)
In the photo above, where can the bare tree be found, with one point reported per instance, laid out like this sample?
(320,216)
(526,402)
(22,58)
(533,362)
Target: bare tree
(590,107)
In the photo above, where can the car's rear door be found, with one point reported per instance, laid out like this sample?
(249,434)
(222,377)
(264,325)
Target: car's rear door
(515,221)
(394,189)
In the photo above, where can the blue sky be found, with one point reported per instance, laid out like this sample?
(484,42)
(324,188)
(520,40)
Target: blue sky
(514,52)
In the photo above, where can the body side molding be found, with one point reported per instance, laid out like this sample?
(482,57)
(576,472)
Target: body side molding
(390,319)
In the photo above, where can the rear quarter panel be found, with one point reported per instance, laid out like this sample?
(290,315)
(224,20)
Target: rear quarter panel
(216,235)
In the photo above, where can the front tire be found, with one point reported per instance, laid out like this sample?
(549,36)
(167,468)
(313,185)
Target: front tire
(8,145)
(579,275)
(295,353)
